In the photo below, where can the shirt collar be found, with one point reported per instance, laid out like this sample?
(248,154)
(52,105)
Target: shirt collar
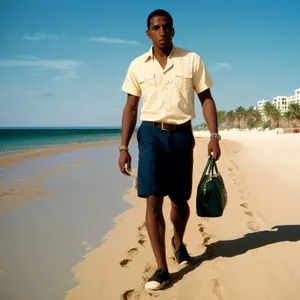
(150,55)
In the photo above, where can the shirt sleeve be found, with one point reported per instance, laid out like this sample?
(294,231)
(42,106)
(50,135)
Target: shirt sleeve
(131,85)
(201,78)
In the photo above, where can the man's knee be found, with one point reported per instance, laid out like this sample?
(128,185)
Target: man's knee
(179,205)
(154,204)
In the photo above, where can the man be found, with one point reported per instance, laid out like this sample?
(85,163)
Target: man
(166,77)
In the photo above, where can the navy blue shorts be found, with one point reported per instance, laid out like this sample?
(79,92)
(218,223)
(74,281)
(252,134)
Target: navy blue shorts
(165,163)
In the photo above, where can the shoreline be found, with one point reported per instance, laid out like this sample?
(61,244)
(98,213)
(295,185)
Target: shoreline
(16,157)
(19,191)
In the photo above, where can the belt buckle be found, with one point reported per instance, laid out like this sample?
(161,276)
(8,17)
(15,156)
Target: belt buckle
(163,127)
(168,125)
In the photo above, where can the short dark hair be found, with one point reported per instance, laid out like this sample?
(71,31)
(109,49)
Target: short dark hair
(160,13)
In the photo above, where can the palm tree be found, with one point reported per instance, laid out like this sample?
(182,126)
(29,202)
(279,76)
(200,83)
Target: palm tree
(231,118)
(253,117)
(292,116)
(241,116)
(272,113)
(221,115)
(294,111)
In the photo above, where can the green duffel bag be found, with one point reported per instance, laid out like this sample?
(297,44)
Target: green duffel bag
(211,197)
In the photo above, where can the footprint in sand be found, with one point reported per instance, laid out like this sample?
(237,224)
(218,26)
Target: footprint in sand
(145,276)
(133,251)
(206,239)
(244,205)
(253,226)
(124,263)
(142,226)
(231,170)
(205,235)
(142,239)
(248,213)
(130,295)
(141,242)
(217,289)
(255,223)
(201,227)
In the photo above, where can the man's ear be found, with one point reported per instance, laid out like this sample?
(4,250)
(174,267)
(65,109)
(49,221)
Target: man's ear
(148,33)
(173,32)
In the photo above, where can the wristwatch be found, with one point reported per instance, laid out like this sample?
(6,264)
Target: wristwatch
(122,147)
(216,136)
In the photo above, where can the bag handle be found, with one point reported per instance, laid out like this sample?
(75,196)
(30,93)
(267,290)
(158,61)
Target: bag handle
(208,165)
(213,166)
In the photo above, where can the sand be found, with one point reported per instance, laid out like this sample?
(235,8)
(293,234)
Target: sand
(252,252)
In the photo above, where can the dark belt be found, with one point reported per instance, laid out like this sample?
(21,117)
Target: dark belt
(172,127)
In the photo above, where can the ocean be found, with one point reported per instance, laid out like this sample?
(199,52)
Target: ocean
(20,139)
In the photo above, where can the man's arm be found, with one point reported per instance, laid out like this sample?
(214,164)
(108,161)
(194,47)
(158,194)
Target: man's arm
(209,110)
(210,116)
(129,119)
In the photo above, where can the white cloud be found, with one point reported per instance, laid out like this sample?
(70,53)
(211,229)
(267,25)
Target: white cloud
(47,95)
(66,69)
(102,39)
(43,36)
(216,67)
(109,40)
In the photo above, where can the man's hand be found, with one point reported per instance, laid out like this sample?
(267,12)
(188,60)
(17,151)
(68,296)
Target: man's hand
(213,146)
(125,162)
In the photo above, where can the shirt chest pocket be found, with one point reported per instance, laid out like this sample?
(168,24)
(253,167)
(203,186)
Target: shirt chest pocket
(147,84)
(183,81)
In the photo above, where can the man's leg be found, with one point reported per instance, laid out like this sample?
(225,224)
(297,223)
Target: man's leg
(179,216)
(181,174)
(156,227)
(151,182)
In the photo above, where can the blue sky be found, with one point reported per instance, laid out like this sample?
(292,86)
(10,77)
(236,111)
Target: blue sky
(62,63)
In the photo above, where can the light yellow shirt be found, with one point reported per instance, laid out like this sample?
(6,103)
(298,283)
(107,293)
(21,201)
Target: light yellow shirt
(168,94)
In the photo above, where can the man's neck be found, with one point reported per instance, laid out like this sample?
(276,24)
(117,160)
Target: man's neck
(162,53)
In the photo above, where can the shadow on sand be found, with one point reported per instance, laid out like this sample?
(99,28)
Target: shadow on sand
(230,248)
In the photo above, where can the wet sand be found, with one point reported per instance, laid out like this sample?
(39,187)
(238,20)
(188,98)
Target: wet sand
(53,211)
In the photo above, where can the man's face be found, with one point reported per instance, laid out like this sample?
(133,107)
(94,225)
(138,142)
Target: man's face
(161,32)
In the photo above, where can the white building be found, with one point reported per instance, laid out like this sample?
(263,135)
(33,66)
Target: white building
(261,104)
(281,102)
(294,98)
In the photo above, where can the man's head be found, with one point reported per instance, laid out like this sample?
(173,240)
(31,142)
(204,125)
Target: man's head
(160,28)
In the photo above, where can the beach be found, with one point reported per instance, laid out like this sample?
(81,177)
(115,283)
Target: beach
(73,228)
(54,209)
